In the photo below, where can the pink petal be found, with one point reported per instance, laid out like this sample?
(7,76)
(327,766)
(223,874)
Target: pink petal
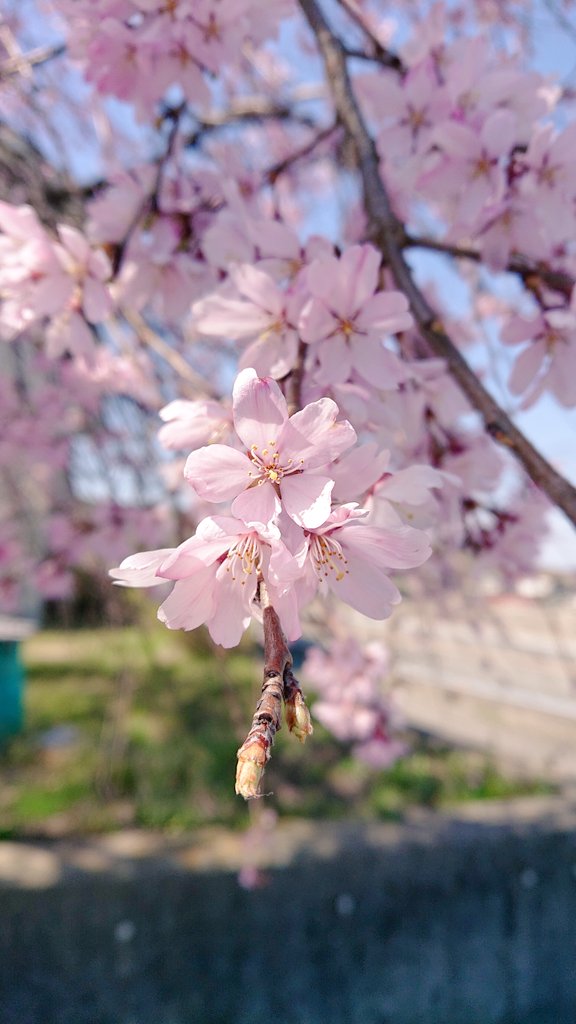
(74,242)
(359,470)
(186,559)
(366,588)
(218,316)
(499,132)
(96,301)
(360,266)
(273,355)
(403,548)
(139,570)
(316,322)
(232,606)
(376,364)
(335,361)
(191,602)
(51,294)
(286,605)
(259,288)
(324,438)
(307,499)
(257,506)
(386,313)
(527,365)
(218,472)
(259,409)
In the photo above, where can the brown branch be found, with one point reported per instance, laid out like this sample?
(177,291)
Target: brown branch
(24,61)
(379,54)
(293,381)
(388,233)
(255,752)
(147,336)
(278,685)
(558,280)
(254,108)
(275,170)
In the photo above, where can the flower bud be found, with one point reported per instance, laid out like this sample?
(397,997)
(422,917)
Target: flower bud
(298,716)
(248,777)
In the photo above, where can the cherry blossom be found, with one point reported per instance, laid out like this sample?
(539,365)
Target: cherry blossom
(217,573)
(352,703)
(353,559)
(285,459)
(549,361)
(258,309)
(346,319)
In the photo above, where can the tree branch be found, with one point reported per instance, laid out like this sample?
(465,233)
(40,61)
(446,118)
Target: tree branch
(24,62)
(278,685)
(255,752)
(558,280)
(388,233)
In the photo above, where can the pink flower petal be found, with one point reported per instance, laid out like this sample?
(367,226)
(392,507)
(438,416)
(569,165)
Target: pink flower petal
(96,300)
(377,364)
(324,438)
(403,548)
(187,558)
(259,288)
(386,313)
(191,602)
(366,588)
(232,613)
(259,409)
(218,472)
(139,570)
(257,506)
(307,499)
(316,322)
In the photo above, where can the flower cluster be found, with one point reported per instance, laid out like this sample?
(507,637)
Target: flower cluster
(138,49)
(352,704)
(63,280)
(283,529)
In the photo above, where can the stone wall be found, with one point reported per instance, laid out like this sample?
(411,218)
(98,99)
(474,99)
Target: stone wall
(444,920)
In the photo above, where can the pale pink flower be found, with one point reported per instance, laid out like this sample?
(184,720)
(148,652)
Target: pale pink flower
(346,319)
(158,274)
(353,704)
(253,307)
(353,559)
(408,110)
(189,424)
(512,225)
(549,361)
(216,576)
(472,168)
(286,458)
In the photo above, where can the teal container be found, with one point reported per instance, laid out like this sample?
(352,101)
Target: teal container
(11,689)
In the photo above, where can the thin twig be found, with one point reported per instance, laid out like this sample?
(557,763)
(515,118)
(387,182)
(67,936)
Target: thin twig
(275,170)
(380,54)
(255,752)
(23,62)
(388,233)
(558,280)
(153,340)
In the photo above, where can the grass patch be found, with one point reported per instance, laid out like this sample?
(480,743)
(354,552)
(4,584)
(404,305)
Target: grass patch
(139,726)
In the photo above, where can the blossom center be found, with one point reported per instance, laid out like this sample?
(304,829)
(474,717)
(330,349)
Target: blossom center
(245,554)
(268,465)
(327,557)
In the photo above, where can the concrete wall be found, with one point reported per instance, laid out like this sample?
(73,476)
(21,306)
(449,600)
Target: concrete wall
(468,920)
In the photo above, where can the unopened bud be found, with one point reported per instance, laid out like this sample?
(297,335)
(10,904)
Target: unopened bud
(248,778)
(298,716)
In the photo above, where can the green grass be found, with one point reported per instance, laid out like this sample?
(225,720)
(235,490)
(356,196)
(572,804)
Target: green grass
(140,726)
